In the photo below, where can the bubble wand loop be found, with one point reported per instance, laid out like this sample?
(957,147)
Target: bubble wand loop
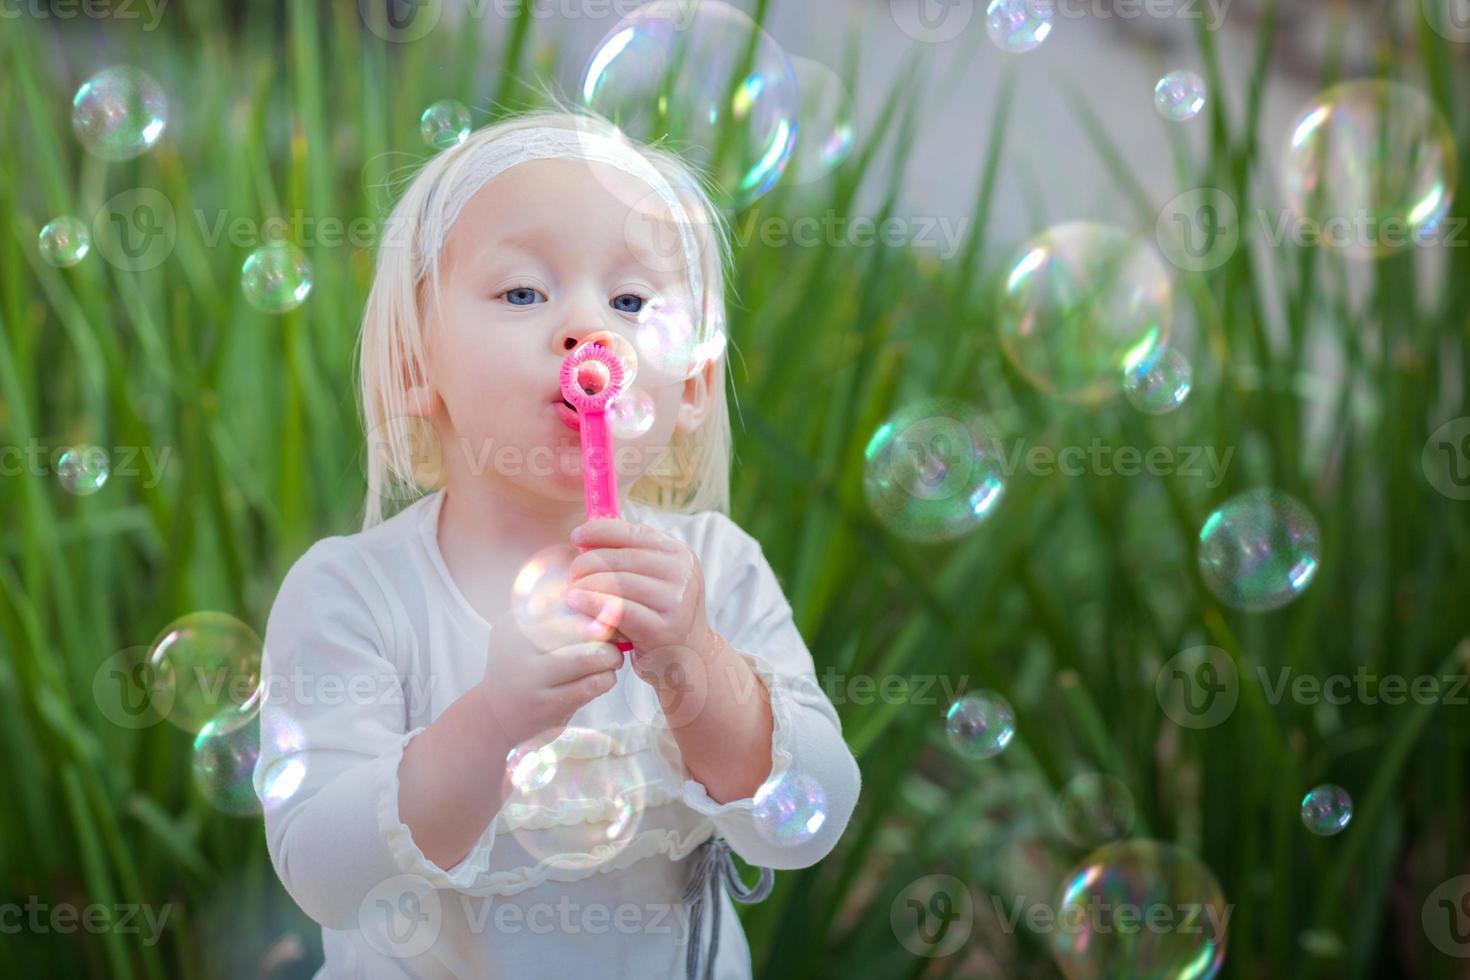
(591,377)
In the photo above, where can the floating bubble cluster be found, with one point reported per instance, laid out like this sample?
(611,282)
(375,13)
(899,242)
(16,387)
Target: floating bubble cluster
(276,278)
(119,113)
(1160,382)
(1259,550)
(225,753)
(932,472)
(1371,168)
(980,725)
(1084,303)
(208,665)
(1180,95)
(65,242)
(1327,810)
(83,470)
(444,124)
(1140,909)
(789,810)
(679,71)
(1019,25)
(1094,809)
(824,134)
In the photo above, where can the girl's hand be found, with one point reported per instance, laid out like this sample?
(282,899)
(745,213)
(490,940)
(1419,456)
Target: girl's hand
(530,693)
(646,584)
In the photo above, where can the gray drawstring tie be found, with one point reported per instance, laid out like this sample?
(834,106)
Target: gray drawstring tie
(713,866)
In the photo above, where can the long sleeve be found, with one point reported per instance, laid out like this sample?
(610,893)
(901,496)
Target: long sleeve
(333,730)
(754,617)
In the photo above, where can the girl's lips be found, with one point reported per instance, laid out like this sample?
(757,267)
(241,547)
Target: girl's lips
(568,415)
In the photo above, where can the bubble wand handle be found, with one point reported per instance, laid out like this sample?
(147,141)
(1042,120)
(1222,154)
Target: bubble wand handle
(592,376)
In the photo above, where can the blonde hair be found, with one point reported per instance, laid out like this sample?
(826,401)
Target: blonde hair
(392,347)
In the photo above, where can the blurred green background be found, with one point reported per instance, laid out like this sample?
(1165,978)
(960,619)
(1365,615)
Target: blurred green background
(1069,601)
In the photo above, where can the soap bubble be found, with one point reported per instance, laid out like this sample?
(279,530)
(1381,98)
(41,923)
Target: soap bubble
(1327,810)
(980,725)
(444,124)
(1259,550)
(119,113)
(680,72)
(587,810)
(932,472)
(1093,809)
(1180,95)
(824,135)
(667,338)
(789,810)
(532,764)
(539,605)
(630,414)
(65,242)
(209,665)
(1142,909)
(1372,165)
(1019,25)
(83,470)
(1160,382)
(226,751)
(1083,303)
(276,278)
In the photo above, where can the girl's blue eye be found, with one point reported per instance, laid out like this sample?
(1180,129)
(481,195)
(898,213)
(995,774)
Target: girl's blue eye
(523,296)
(627,302)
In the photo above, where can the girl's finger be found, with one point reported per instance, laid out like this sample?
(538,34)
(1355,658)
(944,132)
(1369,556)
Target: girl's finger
(630,617)
(566,664)
(612,532)
(658,564)
(628,586)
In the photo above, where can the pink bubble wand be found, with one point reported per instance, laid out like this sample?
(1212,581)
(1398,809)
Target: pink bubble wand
(591,377)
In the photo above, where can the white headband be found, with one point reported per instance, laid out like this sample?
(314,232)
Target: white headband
(468,175)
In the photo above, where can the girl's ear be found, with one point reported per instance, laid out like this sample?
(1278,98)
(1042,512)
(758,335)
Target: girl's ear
(419,397)
(698,398)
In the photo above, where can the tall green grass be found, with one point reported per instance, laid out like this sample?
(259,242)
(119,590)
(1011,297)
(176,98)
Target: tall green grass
(1067,601)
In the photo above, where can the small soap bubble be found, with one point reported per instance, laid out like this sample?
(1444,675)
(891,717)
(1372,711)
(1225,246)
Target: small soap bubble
(538,603)
(1084,303)
(1111,917)
(1373,166)
(630,414)
(580,802)
(276,278)
(1019,25)
(531,765)
(1094,809)
(444,124)
(1180,95)
(83,470)
(980,725)
(789,810)
(932,472)
(683,73)
(1260,550)
(119,113)
(1160,382)
(622,349)
(65,242)
(1327,810)
(208,666)
(224,765)
(824,136)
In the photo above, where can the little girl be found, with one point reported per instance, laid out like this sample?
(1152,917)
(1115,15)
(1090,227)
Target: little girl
(461,777)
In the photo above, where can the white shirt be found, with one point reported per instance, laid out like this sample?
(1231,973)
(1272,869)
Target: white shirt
(370,639)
